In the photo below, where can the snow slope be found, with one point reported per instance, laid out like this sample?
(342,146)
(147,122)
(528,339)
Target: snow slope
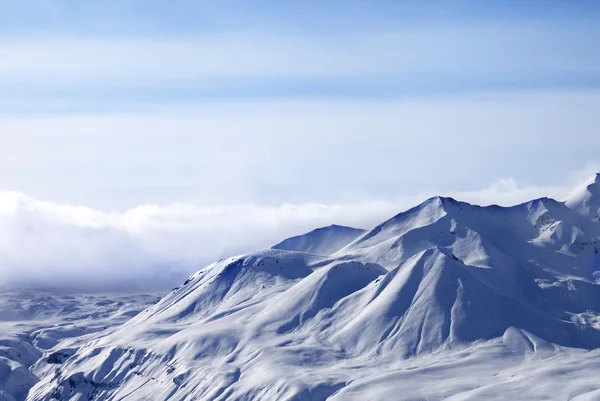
(444,301)
(321,241)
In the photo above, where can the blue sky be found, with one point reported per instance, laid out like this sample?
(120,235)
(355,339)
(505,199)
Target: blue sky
(104,56)
(383,98)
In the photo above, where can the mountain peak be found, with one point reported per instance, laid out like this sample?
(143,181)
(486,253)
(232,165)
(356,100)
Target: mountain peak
(585,199)
(440,198)
(444,202)
(591,183)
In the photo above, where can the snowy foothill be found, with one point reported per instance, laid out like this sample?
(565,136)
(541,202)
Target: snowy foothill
(446,300)
(39,330)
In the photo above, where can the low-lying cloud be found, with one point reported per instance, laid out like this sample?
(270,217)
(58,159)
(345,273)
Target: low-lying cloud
(46,244)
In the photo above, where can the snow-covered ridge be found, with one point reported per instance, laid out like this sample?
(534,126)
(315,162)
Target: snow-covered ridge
(445,284)
(321,241)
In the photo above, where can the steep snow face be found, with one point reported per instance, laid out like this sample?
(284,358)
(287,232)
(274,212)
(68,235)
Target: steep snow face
(436,301)
(586,199)
(444,284)
(322,241)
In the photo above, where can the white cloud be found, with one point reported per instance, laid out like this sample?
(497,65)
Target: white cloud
(46,243)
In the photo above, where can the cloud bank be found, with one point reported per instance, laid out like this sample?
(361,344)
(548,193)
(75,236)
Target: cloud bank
(46,244)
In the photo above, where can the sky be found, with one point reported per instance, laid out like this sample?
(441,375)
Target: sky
(141,134)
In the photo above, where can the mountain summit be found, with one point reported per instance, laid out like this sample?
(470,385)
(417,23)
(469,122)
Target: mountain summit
(586,199)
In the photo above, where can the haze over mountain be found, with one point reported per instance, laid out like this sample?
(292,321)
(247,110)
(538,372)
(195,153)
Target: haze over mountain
(444,300)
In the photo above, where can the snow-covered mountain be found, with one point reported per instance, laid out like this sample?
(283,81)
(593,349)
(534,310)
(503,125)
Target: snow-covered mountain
(446,300)
(321,241)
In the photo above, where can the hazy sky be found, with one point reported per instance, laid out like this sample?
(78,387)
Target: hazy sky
(113,104)
(154,129)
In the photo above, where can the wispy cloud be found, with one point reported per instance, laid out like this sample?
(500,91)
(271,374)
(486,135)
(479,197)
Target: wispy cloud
(406,60)
(444,51)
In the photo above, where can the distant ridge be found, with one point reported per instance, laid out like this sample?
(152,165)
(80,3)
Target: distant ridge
(321,241)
